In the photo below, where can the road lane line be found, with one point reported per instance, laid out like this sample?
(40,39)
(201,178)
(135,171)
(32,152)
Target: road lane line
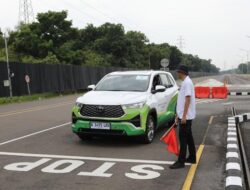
(192,171)
(33,134)
(87,158)
(211,120)
(38,108)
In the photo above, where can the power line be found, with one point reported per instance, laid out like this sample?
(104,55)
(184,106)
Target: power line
(80,11)
(99,11)
(26,13)
(103,13)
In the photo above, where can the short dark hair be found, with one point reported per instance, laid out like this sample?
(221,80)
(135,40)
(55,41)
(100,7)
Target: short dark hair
(183,69)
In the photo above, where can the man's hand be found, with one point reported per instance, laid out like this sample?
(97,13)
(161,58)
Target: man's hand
(184,120)
(176,119)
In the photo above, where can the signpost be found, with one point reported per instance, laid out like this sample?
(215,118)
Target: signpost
(165,64)
(6,83)
(27,80)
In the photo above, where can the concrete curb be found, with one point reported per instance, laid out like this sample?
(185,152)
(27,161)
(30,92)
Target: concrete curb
(239,93)
(234,173)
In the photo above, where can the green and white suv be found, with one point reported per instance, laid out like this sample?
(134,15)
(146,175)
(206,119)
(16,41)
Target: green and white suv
(130,103)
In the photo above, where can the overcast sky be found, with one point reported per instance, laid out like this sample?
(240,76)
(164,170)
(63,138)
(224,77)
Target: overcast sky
(215,29)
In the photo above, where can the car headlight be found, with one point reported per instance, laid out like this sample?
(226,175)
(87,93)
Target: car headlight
(138,105)
(78,104)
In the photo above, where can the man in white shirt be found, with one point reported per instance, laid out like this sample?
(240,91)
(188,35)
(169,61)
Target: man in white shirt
(185,114)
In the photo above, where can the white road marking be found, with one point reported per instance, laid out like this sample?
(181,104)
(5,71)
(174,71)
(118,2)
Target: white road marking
(232,146)
(231,139)
(231,128)
(237,181)
(101,171)
(33,134)
(233,166)
(232,155)
(232,133)
(204,101)
(244,93)
(87,158)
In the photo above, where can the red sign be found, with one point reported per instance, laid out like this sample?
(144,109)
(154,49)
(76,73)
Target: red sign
(27,78)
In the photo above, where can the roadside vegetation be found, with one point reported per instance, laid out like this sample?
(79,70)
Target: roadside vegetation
(19,99)
(52,39)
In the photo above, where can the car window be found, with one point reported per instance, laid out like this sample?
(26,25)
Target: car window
(156,81)
(171,80)
(165,80)
(124,83)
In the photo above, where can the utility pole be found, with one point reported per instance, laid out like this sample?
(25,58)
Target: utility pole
(247,55)
(26,14)
(180,43)
(8,64)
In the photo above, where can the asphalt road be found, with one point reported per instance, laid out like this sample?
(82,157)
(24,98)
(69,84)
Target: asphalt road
(39,151)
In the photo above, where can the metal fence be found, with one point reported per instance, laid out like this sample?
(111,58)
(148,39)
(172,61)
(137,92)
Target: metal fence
(54,78)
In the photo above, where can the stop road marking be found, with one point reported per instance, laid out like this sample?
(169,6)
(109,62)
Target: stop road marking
(139,171)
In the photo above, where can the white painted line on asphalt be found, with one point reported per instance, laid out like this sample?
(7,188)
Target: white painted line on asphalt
(232,155)
(244,93)
(33,134)
(233,166)
(231,129)
(231,125)
(232,146)
(231,139)
(233,93)
(232,134)
(237,181)
(201,101)
(87,158)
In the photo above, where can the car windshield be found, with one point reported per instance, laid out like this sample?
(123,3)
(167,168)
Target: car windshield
(138,83)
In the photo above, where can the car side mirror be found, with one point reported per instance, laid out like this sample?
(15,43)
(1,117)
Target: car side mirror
(91,87)
(159,88)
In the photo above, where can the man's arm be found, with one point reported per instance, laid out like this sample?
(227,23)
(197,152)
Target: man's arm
(187,104)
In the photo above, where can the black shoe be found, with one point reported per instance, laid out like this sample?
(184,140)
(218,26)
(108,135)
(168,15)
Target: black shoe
(177,165)
(191,161)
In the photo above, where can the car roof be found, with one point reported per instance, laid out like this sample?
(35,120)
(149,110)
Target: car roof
(149,72)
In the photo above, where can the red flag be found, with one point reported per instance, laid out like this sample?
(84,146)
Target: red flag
(171,140)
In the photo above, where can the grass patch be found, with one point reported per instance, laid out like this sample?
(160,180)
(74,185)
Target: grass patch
(17,99)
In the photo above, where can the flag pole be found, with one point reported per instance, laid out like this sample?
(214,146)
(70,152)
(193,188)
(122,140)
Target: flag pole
(168,131)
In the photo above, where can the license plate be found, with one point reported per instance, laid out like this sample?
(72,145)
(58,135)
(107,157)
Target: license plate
(100,125)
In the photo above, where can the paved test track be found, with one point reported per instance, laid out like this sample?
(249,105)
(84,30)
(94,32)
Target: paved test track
(119,156)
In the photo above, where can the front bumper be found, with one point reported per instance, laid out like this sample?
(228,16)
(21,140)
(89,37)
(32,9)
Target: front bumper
(117,129)
(133,123)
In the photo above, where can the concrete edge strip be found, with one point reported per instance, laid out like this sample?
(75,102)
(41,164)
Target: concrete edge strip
(234,172)
(239,93)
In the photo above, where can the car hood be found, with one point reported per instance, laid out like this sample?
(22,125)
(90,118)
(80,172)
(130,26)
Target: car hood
(112,97)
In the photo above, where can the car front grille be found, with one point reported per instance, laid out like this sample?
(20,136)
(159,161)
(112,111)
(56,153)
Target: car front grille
(102,132)
(109,111)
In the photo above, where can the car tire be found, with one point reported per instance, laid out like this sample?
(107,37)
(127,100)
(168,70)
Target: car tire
(85,137)
(149,135)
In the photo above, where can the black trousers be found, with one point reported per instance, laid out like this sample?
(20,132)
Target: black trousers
(186,141)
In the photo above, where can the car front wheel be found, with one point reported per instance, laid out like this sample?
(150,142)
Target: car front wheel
(149,135)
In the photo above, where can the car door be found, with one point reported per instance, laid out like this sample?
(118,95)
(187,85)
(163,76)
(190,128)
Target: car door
(168,94)
(159,97)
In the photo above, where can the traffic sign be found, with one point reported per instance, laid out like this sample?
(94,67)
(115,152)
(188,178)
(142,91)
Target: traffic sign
(164,63)
(27,78)
(6,83)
